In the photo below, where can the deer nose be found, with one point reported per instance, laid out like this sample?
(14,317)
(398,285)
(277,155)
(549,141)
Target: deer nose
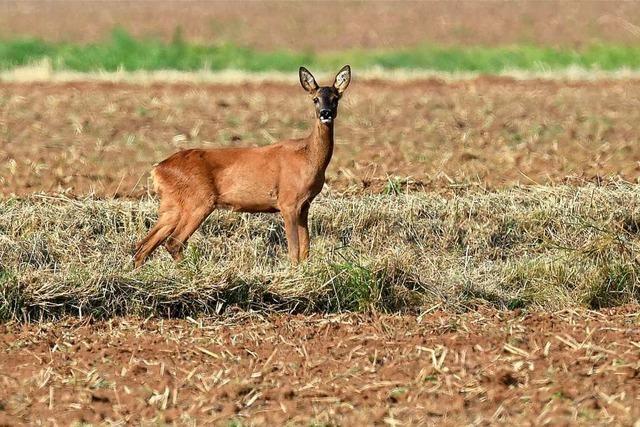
(325,114)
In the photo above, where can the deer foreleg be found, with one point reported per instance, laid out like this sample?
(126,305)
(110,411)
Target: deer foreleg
(303,232)
(291,227)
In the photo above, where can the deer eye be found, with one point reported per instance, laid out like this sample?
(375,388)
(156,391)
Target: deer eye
(316,100)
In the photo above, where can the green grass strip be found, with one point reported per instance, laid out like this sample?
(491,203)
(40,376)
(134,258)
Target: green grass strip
(122,51)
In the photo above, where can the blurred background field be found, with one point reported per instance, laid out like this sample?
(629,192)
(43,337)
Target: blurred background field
(331,25)
(121,51)
(487,37)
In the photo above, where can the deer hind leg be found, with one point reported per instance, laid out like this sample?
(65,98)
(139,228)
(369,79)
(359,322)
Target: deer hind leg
(188,224)
(166,224)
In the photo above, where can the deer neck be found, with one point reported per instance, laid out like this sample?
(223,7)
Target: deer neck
(321,145)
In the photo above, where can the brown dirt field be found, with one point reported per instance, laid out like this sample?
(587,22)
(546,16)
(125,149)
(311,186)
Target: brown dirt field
(493,132)
(325,26)
(481,367)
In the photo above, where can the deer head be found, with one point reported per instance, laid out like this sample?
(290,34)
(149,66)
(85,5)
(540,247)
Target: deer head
(325,99)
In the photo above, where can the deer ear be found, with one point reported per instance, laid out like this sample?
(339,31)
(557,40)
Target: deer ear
(343,78)
(307,81)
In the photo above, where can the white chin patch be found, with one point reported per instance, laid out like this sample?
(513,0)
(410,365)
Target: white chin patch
(326,120)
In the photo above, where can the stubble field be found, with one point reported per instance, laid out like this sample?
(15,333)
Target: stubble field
(475,251)
(103,138)
(419,215)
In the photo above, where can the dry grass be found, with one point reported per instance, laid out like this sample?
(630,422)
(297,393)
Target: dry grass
(542,247)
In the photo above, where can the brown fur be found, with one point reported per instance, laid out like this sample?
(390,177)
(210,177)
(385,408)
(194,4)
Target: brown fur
(284,177)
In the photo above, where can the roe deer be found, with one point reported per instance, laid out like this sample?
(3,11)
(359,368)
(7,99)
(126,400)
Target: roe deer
(284,177)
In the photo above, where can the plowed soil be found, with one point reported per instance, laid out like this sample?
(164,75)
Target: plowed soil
(439,368)
(105,137)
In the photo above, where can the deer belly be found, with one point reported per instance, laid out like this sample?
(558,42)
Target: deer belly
(248,186)
(248,198)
